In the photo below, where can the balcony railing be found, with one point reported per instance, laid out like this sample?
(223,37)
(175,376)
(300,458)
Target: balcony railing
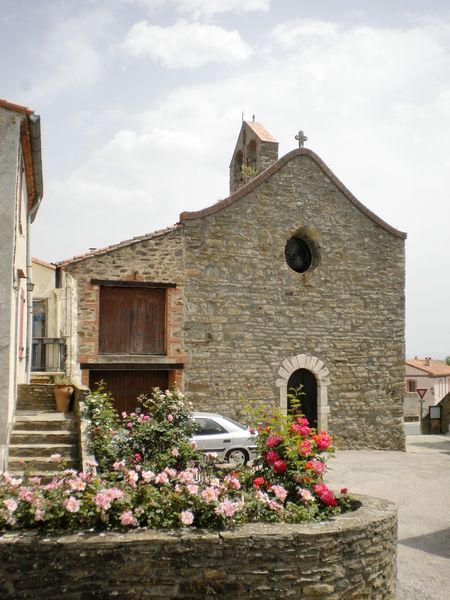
(48,354)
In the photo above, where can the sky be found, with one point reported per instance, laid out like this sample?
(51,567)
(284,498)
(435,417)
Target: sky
(141,102)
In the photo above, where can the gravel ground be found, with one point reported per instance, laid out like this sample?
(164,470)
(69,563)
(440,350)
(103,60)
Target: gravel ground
(418,482)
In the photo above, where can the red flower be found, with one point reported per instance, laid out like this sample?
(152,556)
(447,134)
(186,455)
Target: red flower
(273,440)
(323,440)
(319,488)
(272,457)
(300,429)
(302,421)
(279,466)
(344,491)
(258,481)
(305,448)
(315,465)
(327,497)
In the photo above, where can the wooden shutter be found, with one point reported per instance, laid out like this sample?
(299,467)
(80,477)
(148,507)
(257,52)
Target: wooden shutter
(132,320)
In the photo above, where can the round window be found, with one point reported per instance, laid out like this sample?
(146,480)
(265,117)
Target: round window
(298,254)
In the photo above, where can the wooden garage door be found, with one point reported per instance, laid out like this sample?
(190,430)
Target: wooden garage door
(126,386)
(132,320)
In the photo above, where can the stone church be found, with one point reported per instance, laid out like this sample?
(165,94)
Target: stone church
(289,281)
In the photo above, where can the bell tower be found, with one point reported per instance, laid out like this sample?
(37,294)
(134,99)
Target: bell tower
(255,151)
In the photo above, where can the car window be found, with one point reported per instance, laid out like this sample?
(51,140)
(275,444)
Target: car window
(240,425)
(207,426)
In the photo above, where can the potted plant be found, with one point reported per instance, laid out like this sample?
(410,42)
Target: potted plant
(63,390)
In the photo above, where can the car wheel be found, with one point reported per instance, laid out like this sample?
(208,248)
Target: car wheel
(238,456)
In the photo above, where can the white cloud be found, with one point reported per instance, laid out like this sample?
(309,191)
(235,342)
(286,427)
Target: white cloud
(185,45)
(374,103)
(69,57)
(291,34)
(197,9)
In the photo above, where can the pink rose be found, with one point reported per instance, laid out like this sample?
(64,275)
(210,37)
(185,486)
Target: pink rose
(280,492)
(169,418)
(72,505)
(128,519)
(187,517)
(226,508)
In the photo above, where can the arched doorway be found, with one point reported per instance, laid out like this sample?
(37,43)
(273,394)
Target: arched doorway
(306,381)
(321,374)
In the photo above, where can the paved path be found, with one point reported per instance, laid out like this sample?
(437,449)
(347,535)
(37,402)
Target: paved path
(418,481)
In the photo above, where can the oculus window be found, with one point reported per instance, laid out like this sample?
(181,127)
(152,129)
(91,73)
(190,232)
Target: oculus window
(298,254)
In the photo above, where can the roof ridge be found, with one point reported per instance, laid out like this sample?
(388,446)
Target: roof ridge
(276,166)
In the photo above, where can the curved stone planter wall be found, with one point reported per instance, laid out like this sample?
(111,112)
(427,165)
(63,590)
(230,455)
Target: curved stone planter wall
(353,556)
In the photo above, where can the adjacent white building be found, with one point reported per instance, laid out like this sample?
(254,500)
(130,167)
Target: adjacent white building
(430,375)
(21,190)
(54,322)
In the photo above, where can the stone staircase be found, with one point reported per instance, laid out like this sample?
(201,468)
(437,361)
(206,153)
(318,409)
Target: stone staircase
(39,432)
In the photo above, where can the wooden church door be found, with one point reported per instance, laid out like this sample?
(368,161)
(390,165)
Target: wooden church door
(308,399)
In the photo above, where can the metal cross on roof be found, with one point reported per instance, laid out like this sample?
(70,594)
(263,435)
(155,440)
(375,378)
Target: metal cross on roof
(301,137)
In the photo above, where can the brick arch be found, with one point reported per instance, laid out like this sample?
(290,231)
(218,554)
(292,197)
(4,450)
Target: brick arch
(321,373)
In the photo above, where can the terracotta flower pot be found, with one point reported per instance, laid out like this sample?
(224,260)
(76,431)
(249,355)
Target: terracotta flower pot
(63,393)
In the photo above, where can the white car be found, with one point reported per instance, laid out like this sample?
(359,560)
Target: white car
(231,441)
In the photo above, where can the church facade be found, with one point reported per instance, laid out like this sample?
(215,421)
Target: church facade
(289,282)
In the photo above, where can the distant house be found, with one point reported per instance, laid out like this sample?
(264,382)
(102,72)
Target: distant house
(288,282)
(433,376)
(21,190)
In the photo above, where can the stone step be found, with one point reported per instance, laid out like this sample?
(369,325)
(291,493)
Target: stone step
(42,436)
(39,451)
(38,466)
(33,420)
(41,404)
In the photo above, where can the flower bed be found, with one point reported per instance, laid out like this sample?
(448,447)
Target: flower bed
(149,475)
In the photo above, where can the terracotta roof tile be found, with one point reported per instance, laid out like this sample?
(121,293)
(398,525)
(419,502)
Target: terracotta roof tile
(436,368)
(15,107)
(106,249)
(261,132)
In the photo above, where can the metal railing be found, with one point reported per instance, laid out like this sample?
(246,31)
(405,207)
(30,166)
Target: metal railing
(48,354)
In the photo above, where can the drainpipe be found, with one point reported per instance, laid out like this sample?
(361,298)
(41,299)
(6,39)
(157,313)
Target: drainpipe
(29,335)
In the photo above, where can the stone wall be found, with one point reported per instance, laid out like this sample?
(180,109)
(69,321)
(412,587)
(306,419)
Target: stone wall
(35,396)
(247,311)
(353,556)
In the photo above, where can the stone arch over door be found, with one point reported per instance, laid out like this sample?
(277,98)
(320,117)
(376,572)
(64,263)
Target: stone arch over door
(321,373)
